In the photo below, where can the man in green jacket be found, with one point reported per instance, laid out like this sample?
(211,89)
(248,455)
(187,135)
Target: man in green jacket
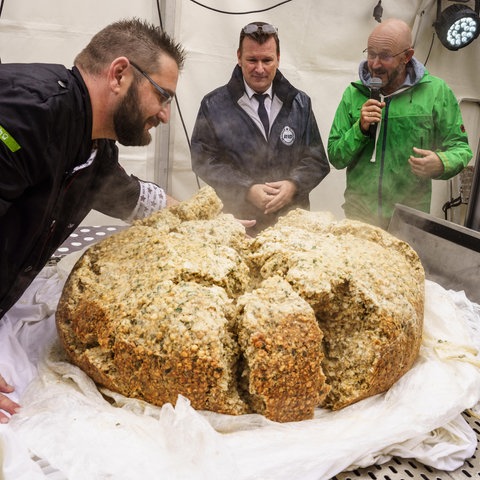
(395,144)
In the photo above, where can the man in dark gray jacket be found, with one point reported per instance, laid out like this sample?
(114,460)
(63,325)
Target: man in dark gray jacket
(256,140)
(58,158)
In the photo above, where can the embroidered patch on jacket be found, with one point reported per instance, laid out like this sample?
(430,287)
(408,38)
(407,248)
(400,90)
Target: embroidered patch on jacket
(287,136)
(8,140)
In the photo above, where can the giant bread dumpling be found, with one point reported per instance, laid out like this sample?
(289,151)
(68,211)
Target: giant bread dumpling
(312,312)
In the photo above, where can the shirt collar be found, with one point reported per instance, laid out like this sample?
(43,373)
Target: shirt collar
(250,92)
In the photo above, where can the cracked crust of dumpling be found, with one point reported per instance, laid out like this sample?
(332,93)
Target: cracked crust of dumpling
(175,340)
(221,230)
(307,220)
(281,346)
(204,205)
(367,290)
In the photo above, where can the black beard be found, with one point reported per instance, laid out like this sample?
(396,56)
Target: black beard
(128,121)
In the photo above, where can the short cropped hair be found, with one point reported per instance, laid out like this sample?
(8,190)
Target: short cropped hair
(138,40)
(259,36)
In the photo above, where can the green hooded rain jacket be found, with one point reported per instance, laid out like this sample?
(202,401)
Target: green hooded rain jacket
(424,114)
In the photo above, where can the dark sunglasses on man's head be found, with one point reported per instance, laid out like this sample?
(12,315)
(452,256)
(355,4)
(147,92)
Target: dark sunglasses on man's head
(254,28)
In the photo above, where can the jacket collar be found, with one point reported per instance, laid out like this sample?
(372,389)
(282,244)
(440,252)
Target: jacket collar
(282,88)
(86,99)
(416,71)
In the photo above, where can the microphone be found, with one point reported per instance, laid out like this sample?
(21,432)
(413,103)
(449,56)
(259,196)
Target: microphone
(374,85)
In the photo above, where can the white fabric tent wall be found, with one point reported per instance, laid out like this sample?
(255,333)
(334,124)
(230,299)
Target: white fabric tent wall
(321,45)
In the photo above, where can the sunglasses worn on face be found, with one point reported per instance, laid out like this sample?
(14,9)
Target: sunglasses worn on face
(254,28)
(167,97)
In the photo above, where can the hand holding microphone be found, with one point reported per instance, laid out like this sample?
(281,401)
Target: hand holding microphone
(371,112)
(375,85)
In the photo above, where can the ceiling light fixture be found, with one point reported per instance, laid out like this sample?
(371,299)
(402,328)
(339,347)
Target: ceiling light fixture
(458,25)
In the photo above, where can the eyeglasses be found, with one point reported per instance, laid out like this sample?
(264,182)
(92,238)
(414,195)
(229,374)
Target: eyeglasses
(254,28)
(383,57)
(167,96)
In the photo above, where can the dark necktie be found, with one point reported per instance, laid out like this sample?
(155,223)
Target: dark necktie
(262,112)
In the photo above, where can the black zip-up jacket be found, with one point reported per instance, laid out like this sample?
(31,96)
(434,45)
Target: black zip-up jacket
(48,182)
(230,153)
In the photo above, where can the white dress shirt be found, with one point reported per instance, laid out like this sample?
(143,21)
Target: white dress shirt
(250,104)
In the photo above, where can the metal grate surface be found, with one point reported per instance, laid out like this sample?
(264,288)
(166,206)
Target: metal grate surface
(406,469)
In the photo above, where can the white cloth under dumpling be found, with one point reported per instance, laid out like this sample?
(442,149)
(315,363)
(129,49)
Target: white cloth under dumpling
(67,422)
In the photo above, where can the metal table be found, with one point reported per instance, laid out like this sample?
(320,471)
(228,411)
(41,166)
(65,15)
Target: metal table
(85,236)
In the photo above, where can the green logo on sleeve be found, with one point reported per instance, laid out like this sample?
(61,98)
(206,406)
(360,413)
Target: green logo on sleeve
(8,140)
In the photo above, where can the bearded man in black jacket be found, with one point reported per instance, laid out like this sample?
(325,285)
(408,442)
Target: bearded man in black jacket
(58,157)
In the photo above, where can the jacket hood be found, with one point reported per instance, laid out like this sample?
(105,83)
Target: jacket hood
(415,72)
